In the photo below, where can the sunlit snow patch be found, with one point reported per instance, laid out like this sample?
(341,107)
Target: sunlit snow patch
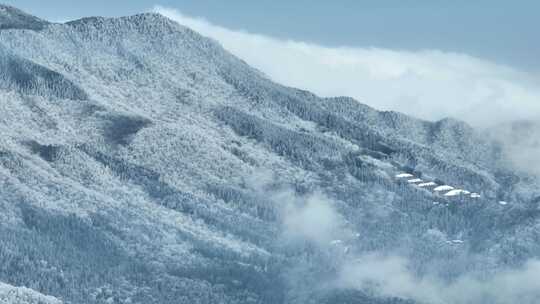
(428,184)
(414,181)
(503,203)
(443,188)
(404,175)
(475,195)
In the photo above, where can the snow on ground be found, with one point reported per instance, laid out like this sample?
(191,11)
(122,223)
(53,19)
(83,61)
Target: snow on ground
(443,188)
(454,192)
(404,175)
(450,190)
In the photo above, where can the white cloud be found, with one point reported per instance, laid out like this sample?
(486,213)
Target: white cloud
(389,276)
(428,84)
(311,217)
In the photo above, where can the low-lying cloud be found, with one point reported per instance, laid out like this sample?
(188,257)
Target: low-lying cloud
(304,218)
(389,276)
(311,218)
(314,219)
(429,84)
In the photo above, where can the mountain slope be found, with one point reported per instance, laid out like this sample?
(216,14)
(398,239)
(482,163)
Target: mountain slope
(142,163)
(10,294)
(12,18)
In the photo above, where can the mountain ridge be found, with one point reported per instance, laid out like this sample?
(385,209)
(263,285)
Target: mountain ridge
(13,18)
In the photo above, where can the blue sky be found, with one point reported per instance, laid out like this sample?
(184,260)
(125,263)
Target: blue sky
(505,32)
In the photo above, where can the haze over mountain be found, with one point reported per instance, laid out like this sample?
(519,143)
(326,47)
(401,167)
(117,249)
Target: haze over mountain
(140,162)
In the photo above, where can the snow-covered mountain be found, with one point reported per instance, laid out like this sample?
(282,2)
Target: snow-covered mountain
(142,163)
(12,18)
(21,295)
